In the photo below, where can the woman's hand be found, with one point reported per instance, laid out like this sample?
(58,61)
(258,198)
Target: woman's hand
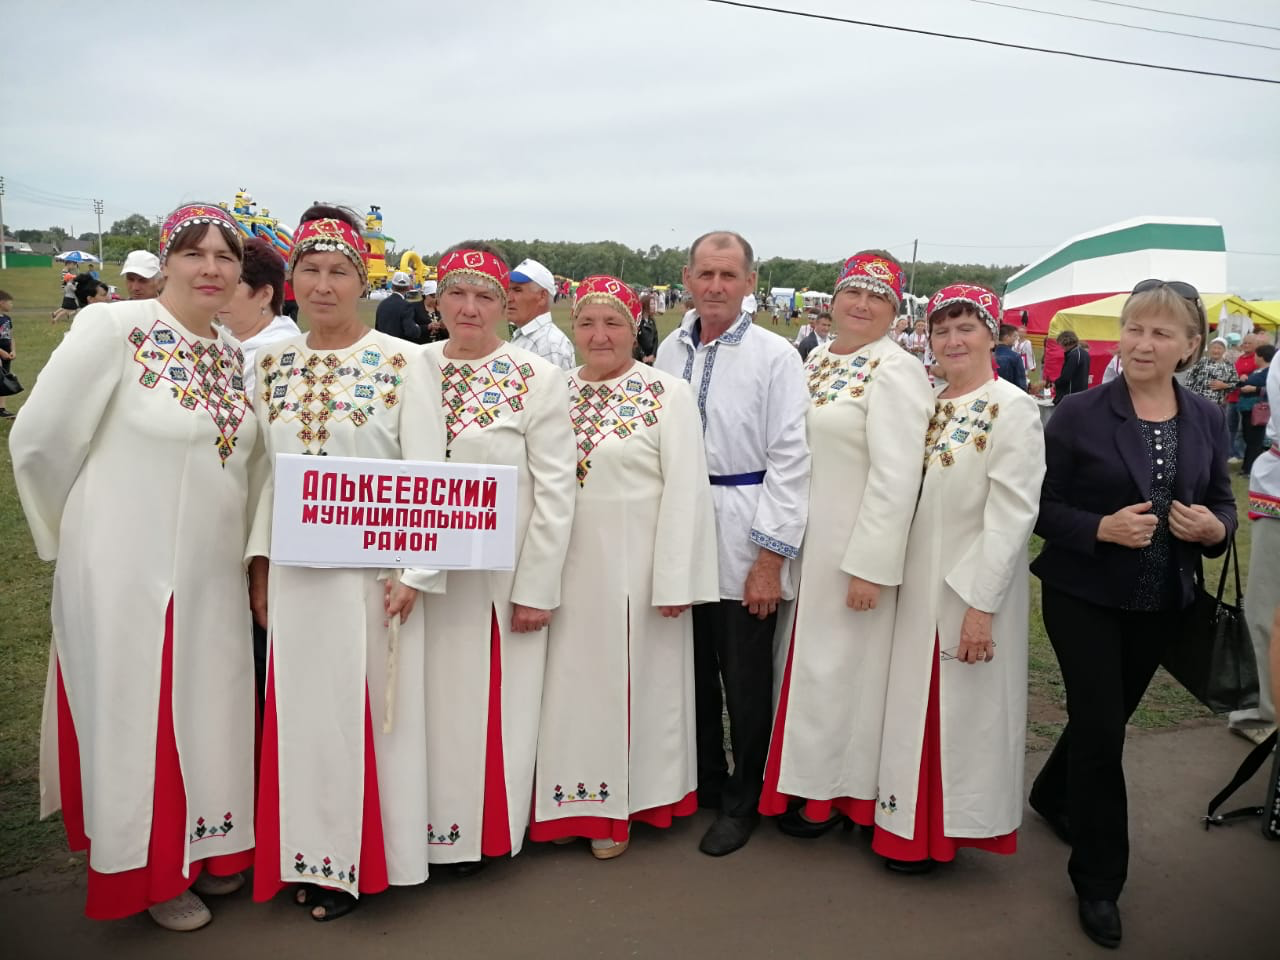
(862,595)
(398,600)
(1131,526)
(1196,524)
(672,612)
(976,645)
(528,619)
(258,567)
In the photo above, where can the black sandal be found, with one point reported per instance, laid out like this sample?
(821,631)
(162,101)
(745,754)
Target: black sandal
(334,903)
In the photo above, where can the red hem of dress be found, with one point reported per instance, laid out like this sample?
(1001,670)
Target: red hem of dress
(495,830)
(930,842)
(604,828)
(373,859)
(112,896)
(773,802)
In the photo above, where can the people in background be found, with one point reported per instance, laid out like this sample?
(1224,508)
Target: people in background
(7,350)
(529,313)
(395,316)
(1009,365)
(141,273)
(1074,377)
(819,333)
(1253,391)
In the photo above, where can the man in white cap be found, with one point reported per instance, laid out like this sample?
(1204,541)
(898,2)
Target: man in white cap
(141,273)
(529,312)
(395,313)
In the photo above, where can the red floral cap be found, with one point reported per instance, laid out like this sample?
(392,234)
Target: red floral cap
(473,266)
(611,292)
(870,271)
(194,213)
(330,236)
(986,303)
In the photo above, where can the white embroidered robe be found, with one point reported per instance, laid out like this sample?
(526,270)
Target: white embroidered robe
(867,419)
(618,707)
(968,548)
(509,407)
(132,459)
(328,641)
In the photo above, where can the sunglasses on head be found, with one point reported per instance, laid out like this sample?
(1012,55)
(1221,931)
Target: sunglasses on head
(1184,290)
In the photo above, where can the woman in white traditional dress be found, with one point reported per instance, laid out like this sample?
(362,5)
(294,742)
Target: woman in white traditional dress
(487,637)
(342,802)
(253,317)
(617,742)
(955,720)
(871,404)
(132,461)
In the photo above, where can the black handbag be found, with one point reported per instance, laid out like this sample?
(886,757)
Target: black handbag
(9,384)
(1270,810)
(1212,656)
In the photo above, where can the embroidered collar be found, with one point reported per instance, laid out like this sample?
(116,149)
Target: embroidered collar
(733,336)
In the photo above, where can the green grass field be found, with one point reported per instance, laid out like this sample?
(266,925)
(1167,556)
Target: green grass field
(24,617)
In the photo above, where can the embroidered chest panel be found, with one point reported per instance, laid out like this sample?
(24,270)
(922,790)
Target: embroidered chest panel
(478,396)
(955,426)
(199,375)
(599,411)
(833,377)
(318,391)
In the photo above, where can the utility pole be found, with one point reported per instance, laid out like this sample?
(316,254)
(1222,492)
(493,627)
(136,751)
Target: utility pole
(915,245)
(4,260)
(97,208)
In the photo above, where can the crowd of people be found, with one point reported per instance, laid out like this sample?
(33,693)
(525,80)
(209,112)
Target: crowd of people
(819,542)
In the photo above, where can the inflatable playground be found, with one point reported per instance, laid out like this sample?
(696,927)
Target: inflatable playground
(255,222)
(259,223)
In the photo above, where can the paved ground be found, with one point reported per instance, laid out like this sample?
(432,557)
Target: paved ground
(1191,894)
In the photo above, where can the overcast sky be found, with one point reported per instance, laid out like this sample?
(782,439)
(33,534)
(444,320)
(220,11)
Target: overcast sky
(650,121)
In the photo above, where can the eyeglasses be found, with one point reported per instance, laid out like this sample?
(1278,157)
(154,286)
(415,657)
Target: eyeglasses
(1184,290)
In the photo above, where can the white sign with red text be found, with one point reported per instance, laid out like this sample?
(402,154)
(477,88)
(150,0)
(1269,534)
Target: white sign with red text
(357,512)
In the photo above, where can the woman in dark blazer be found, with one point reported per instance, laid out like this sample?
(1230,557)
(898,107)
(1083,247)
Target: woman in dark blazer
(1136,491)
(1074,377)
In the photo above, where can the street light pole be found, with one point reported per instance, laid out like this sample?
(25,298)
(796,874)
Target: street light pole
(4,260)
(97,208)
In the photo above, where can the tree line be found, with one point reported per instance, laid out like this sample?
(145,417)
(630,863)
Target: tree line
(642,268)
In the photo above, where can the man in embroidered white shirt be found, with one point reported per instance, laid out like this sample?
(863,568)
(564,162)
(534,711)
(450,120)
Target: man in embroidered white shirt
(752,399)
(529,312)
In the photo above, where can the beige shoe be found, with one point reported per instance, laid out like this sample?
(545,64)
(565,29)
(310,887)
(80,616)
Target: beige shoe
(210,886)
(184,913)
(608,849)
(1254,735)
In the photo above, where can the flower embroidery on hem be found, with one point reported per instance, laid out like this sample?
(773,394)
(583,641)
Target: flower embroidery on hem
(443,839)
(580,794)
(324,868)
(888,806)
(204,831)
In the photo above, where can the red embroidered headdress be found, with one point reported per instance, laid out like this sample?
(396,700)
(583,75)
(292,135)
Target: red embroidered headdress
(190,214)
(986,303)
(330,236)
(611,292)
(473,266)
(870,271)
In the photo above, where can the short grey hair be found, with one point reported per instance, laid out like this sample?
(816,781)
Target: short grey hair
(725,238)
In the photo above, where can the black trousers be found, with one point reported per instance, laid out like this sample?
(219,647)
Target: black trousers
(260,663)
(732,646)
(1108,657)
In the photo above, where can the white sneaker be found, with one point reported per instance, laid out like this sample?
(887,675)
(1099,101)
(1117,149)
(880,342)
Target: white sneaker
(184,913)
(211,886)
(1231,460)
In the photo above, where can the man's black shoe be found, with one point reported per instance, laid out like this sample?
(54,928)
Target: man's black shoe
(1100,920)
(727,834)
(794,825)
